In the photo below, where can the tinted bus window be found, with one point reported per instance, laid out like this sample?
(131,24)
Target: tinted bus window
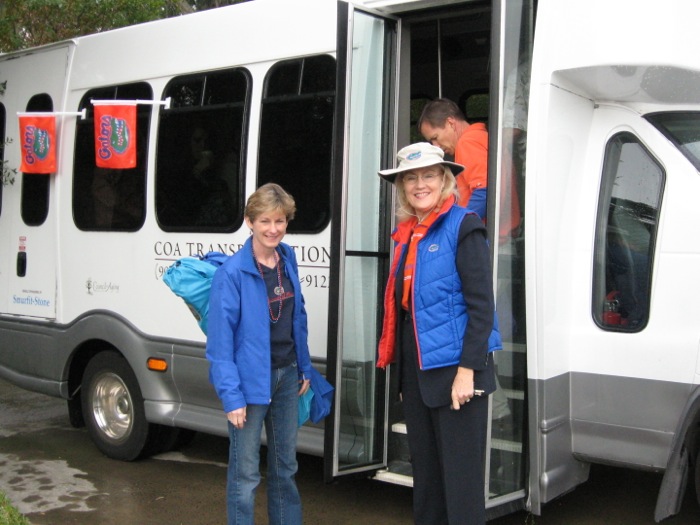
(110,199)
(35,187)
(296,136)
(628,212)
(2,152)
(201,149)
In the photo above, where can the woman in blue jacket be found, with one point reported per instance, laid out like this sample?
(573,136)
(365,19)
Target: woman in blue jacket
(259,359)
(439,328)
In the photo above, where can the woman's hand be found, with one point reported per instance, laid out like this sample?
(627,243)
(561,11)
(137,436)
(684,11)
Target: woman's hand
(237,417)
(305,385)
(462,387)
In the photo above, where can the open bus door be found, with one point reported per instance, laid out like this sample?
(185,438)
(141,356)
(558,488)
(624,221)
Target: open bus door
(356,430)
(375,112)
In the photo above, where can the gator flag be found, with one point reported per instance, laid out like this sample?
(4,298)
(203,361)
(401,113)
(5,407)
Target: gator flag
(115,135)
(38,141)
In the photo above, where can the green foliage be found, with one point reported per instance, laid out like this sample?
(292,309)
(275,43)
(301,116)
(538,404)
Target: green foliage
(7,176)
(29,23)
(10,515)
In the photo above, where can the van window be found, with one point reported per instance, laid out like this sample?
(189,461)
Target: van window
(628,212)
(682,128)
(110,199)
(201,152)
(296,136)
(35,187)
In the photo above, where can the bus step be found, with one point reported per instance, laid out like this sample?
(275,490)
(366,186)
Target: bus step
(514,394)
(391,477)
(500,444)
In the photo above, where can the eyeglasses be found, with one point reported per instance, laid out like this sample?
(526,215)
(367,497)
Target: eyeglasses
(411,178)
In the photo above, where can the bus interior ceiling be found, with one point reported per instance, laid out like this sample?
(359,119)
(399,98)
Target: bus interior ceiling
(450,59)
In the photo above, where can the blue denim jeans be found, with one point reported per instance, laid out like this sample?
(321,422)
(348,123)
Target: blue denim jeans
(280,419)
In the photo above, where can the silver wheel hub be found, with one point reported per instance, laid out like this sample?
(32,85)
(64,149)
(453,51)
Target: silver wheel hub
(112,407)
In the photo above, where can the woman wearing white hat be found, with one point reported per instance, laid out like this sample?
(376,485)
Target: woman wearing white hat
(440,329)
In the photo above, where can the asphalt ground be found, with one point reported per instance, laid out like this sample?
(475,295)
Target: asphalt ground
(54,475)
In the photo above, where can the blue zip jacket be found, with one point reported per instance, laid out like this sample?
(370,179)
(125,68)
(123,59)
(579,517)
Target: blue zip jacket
(238,342)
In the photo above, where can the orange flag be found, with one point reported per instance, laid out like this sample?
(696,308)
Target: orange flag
(115,136)
(38,136)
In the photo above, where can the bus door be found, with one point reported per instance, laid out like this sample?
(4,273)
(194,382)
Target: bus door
(31,202)
(356,430)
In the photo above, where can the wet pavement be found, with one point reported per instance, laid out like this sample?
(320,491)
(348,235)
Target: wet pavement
(54,475)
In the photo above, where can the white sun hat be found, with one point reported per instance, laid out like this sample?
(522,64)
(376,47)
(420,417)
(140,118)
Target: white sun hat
(419,155)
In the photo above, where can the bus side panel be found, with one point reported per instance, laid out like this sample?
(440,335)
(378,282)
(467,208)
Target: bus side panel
(28,267)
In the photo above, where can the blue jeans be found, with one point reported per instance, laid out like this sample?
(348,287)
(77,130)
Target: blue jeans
(280,418)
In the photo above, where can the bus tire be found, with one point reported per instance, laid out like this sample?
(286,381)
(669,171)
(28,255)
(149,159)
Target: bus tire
(113,408)
(697,476)
(173,438)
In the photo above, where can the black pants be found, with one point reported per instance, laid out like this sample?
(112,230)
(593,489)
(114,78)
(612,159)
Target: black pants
(447,451)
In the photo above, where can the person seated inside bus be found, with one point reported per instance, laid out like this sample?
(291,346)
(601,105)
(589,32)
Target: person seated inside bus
(212,194)
(628,264)
(194,191)
(118,198)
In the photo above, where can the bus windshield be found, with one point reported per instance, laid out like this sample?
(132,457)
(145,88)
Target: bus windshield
(682,128)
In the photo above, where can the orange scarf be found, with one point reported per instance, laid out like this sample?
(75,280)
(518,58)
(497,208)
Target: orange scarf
(419,231)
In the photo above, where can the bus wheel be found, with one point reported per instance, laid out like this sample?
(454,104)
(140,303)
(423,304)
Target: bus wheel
(697,476)
(113,407)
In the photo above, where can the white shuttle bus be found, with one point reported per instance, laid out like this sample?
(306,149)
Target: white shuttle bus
(593,109)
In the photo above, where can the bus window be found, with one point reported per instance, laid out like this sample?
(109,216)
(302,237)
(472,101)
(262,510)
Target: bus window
(110,199)
(35,187)
(296,136)
(199,165)
(682,128)
(628,212)
(2,151)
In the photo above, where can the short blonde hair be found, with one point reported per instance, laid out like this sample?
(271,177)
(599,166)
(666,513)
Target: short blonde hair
(268,198)
(405,210)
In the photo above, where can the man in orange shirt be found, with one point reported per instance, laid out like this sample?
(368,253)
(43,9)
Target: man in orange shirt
(443,124)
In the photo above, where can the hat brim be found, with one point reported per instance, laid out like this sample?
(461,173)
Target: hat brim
(390,175)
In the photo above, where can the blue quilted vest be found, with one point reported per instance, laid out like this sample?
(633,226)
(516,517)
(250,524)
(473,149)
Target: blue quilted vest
(441,323)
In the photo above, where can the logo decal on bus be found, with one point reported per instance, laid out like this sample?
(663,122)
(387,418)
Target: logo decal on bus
(94,287)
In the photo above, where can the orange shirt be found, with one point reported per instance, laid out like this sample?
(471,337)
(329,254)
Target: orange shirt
(472,152)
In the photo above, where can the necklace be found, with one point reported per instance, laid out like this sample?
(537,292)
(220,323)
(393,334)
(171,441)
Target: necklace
(279,289)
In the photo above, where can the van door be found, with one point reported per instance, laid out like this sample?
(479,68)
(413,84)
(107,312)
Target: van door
(356,433)
(31,204)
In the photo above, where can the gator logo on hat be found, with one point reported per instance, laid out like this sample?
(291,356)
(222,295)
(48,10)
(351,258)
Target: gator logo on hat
(414,156)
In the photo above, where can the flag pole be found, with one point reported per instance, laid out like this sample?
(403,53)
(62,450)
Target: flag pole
(80,114)
(165,103)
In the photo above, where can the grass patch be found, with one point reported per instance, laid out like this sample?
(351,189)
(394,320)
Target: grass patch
(10,515)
